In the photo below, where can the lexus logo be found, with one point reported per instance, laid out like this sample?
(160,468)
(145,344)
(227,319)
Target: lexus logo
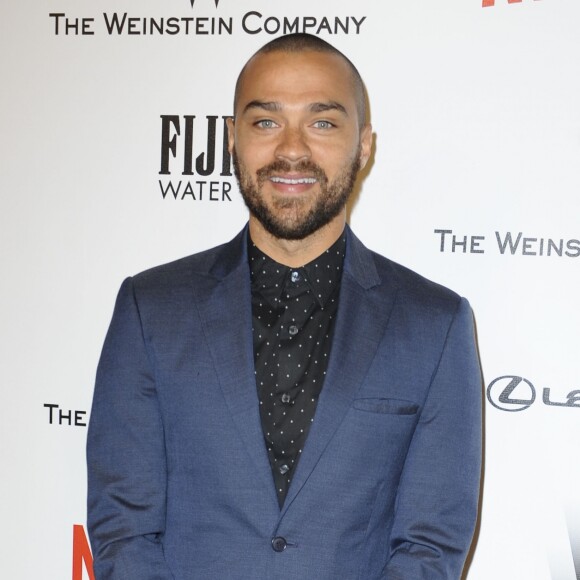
(511,393)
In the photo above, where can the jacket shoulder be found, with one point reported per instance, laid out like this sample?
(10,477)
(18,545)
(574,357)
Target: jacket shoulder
(213,263)
(371,269)
(415,289)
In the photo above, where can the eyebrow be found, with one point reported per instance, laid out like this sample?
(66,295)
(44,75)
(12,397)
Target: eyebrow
(328,106)
(264,105)
(274,106)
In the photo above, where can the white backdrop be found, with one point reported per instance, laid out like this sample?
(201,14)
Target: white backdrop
(475,183)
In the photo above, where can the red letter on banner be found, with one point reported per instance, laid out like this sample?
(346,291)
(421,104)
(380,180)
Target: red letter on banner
(486,3)
(81,553)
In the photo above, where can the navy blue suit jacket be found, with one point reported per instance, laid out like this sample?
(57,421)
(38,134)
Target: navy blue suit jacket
(180,486)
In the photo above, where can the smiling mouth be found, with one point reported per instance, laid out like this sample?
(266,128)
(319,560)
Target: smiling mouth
(294,181)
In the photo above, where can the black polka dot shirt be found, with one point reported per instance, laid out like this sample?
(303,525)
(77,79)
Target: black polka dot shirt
(293,311)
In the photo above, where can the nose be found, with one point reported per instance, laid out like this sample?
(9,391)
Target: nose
(292,145)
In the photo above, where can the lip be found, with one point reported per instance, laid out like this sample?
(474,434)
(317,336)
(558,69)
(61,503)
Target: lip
(292,183)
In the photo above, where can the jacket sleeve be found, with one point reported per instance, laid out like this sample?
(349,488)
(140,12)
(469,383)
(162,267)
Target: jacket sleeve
(126,455)
(437,501)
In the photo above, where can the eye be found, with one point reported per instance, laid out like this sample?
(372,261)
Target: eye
(322,124)
(265,124)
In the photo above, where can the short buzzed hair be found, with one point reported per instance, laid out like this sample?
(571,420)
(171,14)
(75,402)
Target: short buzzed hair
(302,42)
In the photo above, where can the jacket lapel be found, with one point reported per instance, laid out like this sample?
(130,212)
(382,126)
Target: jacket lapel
(225,307)
(364,309)
(223,298)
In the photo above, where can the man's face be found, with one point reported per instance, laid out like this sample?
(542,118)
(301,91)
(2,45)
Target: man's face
(296,142)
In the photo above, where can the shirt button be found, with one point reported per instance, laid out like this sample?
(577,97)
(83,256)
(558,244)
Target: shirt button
(293,330)
(278,544)
(284,469)
(295,276)
(286,398)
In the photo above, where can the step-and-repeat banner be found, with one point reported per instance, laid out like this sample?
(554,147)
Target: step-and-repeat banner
(114,159)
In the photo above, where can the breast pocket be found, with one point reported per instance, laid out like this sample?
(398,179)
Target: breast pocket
(386,406)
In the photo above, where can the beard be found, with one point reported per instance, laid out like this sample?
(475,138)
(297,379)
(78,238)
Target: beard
(296,218)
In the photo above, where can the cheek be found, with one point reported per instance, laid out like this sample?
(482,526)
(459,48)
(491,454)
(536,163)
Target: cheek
(254,155)
(334,159)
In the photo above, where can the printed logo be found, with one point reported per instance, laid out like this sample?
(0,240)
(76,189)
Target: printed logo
(82,557)
(508,244)
(513,393)
(486,3)
(500,391)
(197,150)
(252,22)
(216,3)
(58,415)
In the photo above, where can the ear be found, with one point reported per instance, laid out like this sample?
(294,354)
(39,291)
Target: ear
(231,134)
(366,144)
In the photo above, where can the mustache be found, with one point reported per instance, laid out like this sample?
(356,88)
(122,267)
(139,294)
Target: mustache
(305,166)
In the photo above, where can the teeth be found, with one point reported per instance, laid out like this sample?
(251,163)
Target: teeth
(293,181)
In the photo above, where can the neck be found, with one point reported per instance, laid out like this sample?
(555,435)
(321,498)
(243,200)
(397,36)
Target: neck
(296,253)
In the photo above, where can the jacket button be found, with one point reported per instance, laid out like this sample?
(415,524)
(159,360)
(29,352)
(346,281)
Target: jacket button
(279,544)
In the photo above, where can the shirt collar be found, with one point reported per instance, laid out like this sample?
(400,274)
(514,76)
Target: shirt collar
(323,274)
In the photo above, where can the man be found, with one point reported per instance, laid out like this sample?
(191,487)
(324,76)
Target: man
(288,405)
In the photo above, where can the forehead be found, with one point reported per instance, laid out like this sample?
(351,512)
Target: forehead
(297,78)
